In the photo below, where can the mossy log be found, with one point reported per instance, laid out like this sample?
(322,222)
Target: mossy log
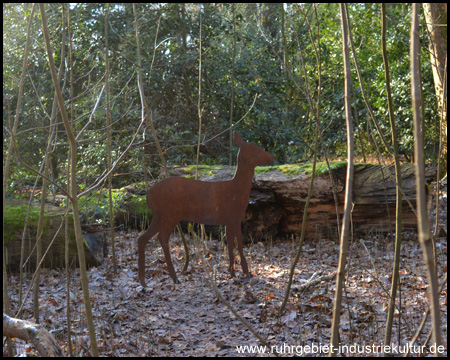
(14,219)
(278,197)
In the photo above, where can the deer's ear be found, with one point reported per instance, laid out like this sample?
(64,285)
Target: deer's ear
(238,140)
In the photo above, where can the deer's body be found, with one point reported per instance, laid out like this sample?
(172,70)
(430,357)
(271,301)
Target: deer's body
(210,203)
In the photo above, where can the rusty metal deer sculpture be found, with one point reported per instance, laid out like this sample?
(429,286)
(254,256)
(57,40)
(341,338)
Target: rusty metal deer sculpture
(209,203)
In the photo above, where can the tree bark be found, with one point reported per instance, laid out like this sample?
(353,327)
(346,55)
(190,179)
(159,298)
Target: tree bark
(398,179)
(425,239)
(73,182)
(349,183)
(436,20)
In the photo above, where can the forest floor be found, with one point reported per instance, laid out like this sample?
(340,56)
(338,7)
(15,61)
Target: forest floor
(188,319)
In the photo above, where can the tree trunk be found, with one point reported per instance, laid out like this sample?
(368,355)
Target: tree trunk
(436,20)
(425,239)
(349,183)
(398,179)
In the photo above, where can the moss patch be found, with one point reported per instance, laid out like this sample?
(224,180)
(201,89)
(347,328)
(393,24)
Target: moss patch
(138,185)
(14,220)
(288,169)
(322,167)
(202,170)
(296,169)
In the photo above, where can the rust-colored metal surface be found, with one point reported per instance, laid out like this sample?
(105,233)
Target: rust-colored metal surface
(210,203)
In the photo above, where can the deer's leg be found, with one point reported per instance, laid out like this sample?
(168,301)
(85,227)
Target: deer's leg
(142,242)
(240,247)
(163,237)
(231,235)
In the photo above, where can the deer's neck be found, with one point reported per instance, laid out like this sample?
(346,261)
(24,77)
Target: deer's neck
(244,175)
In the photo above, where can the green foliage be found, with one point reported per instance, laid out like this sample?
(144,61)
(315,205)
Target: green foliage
(277,63)
(95,208)
(140,206)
